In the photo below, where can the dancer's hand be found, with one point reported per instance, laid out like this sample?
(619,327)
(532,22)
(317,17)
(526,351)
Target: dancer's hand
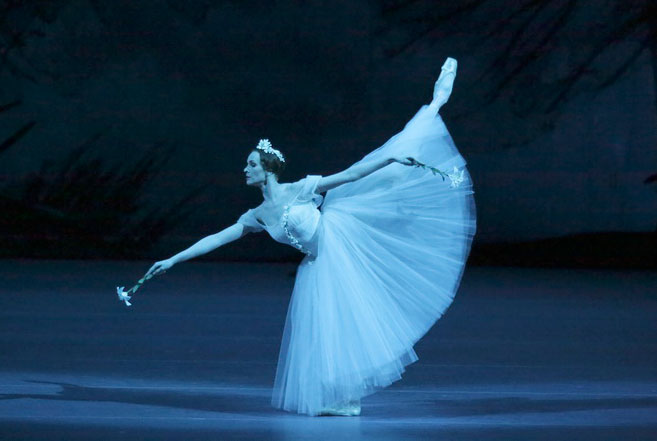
(160,267)
(404,160)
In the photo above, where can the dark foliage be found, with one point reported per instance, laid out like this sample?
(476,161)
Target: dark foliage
(82,208)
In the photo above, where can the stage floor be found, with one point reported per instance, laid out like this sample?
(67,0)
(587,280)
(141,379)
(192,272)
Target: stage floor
(521,354)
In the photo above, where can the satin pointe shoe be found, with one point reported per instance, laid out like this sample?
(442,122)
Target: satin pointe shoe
(349,408)
(442,89)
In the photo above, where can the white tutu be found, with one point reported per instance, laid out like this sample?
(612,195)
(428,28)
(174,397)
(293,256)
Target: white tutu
(388,254)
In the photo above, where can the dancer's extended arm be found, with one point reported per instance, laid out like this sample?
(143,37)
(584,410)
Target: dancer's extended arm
(356,172)
(203,246)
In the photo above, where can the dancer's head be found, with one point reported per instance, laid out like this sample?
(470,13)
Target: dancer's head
(263,163)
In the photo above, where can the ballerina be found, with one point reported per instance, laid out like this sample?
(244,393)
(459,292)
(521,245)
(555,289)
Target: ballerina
(384,257)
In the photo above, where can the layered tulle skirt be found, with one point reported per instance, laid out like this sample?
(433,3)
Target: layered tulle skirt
(392,248)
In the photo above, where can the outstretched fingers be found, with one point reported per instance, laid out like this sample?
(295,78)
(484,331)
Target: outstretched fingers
(153,271)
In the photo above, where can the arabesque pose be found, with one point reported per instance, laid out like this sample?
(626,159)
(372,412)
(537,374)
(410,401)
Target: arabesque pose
(384,258)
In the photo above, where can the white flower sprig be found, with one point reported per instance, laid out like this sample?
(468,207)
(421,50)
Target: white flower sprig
(123,295)
(265,146)
(456,177)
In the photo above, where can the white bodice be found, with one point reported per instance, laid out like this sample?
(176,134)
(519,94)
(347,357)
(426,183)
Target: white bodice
(299,218)
(298,227)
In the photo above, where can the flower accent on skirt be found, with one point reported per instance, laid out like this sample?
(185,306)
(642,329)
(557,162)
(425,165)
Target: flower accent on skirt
(455,177)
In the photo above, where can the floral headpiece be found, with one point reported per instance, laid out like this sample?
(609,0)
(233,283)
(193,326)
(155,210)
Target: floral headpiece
(265,146)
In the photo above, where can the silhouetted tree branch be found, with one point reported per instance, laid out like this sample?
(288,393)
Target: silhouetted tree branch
(80,207)
(18,20)
(18,134)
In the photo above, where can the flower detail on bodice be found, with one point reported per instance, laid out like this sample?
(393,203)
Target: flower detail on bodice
(293,240)
(298,223)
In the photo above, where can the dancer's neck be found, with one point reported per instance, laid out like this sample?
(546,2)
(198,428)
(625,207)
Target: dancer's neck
(272,192)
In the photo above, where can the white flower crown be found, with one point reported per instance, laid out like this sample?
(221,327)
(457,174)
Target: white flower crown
(265,146)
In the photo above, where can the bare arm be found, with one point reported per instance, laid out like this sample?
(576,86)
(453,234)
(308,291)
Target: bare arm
(203,246)
(356,172)
(210,243)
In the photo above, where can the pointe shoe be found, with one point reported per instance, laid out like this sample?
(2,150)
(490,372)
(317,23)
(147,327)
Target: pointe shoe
(350,408)
(442,89)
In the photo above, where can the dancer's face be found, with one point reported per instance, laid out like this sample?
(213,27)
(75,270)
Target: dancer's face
(255,174)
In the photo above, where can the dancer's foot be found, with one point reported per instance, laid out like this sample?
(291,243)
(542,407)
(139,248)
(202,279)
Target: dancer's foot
(349,408)
(442,89)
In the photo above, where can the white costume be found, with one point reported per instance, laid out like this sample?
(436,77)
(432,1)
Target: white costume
(385,256)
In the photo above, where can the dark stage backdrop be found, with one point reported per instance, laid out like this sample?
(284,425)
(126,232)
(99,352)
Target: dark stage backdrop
(125,125)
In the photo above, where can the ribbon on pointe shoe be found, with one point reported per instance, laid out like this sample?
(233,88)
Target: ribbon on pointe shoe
(450,65)
(442,88)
